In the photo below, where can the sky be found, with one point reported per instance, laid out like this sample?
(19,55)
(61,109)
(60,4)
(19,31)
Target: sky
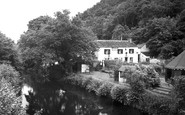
(15,14)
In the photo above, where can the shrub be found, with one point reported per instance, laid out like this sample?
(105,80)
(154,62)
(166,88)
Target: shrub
(10,74)
(151,77)
(136,82)
(155,104)
(158,68)
(10,104)
(118,93)
(178,93)
(86,81)
(105,89)
(93,85)
(74,79)
(137,87)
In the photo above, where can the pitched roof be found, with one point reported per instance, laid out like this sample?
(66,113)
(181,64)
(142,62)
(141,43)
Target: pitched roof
(178,62)
(115,43)
(141,45)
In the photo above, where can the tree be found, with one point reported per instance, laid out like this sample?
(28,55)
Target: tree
(161,36)
(57,39)
(121,32)
(8,52)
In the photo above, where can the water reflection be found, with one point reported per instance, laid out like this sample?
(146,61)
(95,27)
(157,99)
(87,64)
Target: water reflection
(50,99)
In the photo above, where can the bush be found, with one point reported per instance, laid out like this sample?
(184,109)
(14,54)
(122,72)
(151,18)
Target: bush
(135,96)
(10,74)
(156,105)
(119,93)
(178,93)
(151,77)
(137,87)
(93,85)
(105,89)
(86,81)
(158,68)
(136,82)
(10,104)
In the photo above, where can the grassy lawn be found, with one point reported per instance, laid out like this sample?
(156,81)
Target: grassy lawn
(102,76)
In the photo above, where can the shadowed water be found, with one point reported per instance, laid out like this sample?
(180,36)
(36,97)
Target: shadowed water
(62,99)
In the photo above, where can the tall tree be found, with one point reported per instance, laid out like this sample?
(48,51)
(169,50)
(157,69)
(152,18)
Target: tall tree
(8,53)
(57,39)
(161,35)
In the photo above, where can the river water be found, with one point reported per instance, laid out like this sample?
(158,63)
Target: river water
(62,99)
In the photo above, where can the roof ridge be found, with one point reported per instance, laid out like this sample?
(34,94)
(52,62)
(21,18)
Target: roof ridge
(113,40)
(180,58)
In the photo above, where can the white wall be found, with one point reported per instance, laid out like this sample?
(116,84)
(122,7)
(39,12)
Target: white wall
(143,57)
(114,54)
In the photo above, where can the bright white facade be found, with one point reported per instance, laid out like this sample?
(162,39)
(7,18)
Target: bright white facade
(117,50)
(144,57)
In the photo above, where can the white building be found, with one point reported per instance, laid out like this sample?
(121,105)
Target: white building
(144,55)
(124,50)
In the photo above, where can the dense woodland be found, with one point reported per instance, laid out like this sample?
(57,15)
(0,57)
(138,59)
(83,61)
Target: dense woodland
(158,23)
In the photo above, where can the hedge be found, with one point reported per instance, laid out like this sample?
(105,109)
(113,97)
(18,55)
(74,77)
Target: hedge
(146,101)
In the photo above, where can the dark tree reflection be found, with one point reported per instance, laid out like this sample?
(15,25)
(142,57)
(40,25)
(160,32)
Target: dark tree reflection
(50,99)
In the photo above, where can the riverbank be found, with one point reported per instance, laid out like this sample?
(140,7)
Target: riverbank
(122,93)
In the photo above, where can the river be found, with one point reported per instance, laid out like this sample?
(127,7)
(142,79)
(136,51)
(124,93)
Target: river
(61,99)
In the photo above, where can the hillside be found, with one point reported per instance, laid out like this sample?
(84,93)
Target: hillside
(158,23)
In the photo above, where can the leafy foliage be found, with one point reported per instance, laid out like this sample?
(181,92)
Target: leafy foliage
(49,40)
(105,89)
(118,93)
(144,76)
(156,105)
(161,36)
(8,51)
(178,94)
(144,100)
(8,73)
(10,102)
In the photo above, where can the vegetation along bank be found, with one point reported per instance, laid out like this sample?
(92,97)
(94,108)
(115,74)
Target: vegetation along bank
(133,94)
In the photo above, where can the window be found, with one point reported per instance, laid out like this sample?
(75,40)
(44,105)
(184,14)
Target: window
(183,72)
(106,58)
(120,51)
(115,58)
(107,51)
(126,59)
(131,51)
(147,59)
(131,59)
